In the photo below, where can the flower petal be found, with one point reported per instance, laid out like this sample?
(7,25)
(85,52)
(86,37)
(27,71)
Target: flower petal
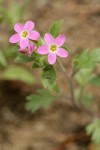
(14,38)
(52,58)
(34,35)
(60,40)
(29,25)
(30,49)
(62,52)
(22,50)
(43,50)
(23,43)
(48,38)
(18,27)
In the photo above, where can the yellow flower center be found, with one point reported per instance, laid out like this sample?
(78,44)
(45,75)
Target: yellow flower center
(53,48)
(24,34)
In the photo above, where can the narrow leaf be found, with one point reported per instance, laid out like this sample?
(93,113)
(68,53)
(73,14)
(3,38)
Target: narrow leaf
(18,73)
(55,28)
(3,61)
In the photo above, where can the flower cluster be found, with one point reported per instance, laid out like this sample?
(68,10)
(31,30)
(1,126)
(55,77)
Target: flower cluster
(26,38)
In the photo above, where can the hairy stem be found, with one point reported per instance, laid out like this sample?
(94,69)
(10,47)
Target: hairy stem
(71,86)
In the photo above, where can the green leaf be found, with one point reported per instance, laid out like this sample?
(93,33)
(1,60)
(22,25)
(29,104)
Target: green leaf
(18,11)
(67,48)
(43,98)
(95,80)
(18,73)
(55,28)
(87,99)
(1,19)
(23,58)
(1,1)
(36,64)
(87,59)
(93,129)
(40,42)
(40,61)
(11,52)
(90,128)
(95,55)
(96,135)
(84,76)
(49,77)
(76,60)
(3,62)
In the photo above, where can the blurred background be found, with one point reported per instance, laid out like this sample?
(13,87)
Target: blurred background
(45,129)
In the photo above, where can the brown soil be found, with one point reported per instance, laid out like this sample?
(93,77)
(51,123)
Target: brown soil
(59,127)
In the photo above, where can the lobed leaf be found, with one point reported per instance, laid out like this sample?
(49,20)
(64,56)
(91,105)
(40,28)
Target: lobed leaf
(86,97)
(49,77)
(84,76)
(22,58)
(93,129)
(43,98)
(87,59)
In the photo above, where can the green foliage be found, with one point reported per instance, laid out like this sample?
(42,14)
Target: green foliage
(24,58)
(37,64)
(93,129)
(67,48)
(43,98)
(87,59)
(95,80)
(76,61)
(95,55)
(87,99)
(18,73)
(15,14)
(11,52)
(1,1)
(84,76)
(49,78)
(37,60)
(40,42)
(3,62)
(1,19)
(55,28)
(40,61)
(84,64)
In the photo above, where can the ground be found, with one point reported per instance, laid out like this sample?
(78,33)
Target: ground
(57,127)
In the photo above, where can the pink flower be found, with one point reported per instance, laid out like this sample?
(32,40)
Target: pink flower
(28,50)
(53,48)
(24,34)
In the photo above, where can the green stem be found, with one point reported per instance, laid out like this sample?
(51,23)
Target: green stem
(71,86)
